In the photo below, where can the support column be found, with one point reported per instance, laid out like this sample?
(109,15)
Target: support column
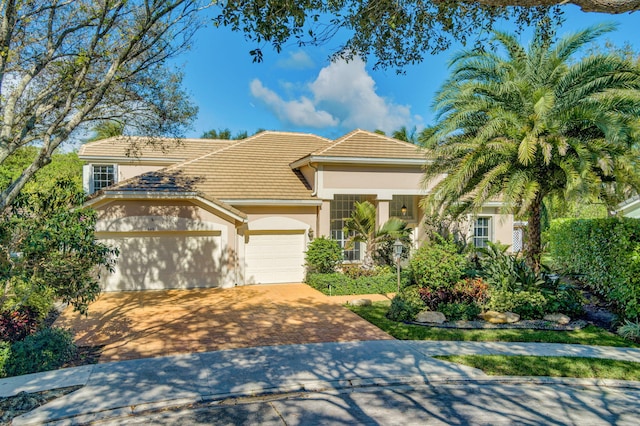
(382,212)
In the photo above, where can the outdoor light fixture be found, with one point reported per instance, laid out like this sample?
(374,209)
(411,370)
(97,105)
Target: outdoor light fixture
(403,210)
(397,249)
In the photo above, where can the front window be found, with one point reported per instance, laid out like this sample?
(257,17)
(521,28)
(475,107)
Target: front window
(103,176)
(481,231)
(341,208)
(402,206)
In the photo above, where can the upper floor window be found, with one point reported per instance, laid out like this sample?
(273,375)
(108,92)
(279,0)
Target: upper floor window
(481,231)
(103,176)
(402,206)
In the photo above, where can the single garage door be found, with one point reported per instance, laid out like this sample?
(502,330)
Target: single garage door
(274,257)
(164,260)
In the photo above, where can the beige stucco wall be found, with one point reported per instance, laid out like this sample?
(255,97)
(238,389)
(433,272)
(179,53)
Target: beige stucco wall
(149,233)
(381,181)
(501,225)
(281,217)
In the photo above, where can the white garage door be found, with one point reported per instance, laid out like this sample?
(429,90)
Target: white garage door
(274,257)
(155,261)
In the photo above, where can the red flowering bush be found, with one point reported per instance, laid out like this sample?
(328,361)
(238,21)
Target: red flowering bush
(18,324)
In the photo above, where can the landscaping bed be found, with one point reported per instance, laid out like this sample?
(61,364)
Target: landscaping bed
(522,324)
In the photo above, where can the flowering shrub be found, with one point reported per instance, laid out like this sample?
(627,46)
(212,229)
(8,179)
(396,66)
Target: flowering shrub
(17,324)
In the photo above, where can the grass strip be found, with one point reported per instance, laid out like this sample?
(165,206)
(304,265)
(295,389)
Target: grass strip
(589,335)
(525,365)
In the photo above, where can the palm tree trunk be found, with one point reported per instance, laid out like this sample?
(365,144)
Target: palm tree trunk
(533,247)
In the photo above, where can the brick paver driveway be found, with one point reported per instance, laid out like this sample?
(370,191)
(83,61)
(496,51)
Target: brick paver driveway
(143,324)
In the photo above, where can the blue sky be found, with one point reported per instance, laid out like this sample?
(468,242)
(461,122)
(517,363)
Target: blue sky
(301,90)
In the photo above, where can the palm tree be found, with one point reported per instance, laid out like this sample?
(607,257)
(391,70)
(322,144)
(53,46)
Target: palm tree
(106,129)
(361,228)
(533,123)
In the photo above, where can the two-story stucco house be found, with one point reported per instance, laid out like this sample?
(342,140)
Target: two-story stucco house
(207,213)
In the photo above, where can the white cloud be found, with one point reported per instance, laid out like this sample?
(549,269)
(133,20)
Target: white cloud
(296,60)
(343,94)
(300,112)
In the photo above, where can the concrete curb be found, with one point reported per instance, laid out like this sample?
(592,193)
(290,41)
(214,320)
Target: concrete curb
(323,386)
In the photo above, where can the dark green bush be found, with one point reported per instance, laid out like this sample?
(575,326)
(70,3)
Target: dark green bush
(564,298)
(323,256)
(355,270)
(5,351)
(406,305)
(337,284)
(459,311)
(507,272)
(527,304)
(605,255)
(46,350)
(437,265)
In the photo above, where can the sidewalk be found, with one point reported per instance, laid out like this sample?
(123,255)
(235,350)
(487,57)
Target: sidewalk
(122,388)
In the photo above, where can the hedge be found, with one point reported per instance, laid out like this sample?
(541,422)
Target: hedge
(339,284)
(605,254)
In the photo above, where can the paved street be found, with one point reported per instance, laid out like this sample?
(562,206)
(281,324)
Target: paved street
(472,404)
(320,372)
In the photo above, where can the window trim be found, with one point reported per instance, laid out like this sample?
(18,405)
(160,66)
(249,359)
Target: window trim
(92,180)
(488,227)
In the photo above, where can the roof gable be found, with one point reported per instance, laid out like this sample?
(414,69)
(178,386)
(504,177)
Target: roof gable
(363,144)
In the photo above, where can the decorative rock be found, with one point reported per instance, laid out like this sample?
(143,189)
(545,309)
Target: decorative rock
(512,317)
(494,317)
(360,302)
(431,317)
(557,318)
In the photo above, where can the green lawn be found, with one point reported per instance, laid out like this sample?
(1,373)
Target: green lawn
(519,365)
(589,335)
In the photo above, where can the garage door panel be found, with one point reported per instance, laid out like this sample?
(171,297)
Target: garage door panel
(163,262)
(275,257)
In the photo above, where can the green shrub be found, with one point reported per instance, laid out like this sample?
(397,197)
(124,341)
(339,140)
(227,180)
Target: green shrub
(437,265)
(604,254)
(406,305)
(323,256)
(337,284)
(527,304)
(5,352)
(630,330)
(355,270)
(459,311)
(564,298)
(46,350)
(507,272)
(38,299)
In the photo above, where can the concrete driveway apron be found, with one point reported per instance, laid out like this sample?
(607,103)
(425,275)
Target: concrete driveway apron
(132,325)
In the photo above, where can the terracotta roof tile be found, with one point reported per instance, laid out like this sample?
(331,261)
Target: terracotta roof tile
(255,168)
(363,144)
(135,147)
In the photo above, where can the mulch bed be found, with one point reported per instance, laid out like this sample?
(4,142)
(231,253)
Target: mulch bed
(528,324)
(13,406)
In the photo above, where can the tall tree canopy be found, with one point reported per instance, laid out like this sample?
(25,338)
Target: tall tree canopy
(395,32)
(528,124)
(65,64)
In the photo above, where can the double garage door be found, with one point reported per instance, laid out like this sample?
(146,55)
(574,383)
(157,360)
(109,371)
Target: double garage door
(163,260)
